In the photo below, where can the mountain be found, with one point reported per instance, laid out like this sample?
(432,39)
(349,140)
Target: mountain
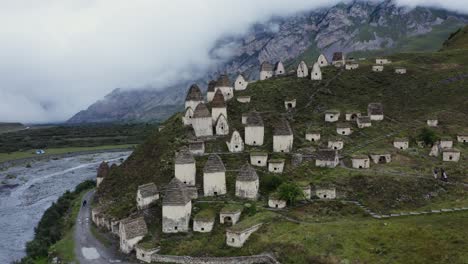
(328,231)
(359,28)
(139,105)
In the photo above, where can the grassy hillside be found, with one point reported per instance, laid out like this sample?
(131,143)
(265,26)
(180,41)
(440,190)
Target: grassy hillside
(457,40)
(435,85)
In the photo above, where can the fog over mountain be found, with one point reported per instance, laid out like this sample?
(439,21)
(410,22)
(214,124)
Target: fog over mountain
(58,57)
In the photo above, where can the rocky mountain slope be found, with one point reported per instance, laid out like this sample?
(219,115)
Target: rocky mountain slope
(321,231)
(360,28)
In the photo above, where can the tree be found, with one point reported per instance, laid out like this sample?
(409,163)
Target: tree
(289,192)
(428,136)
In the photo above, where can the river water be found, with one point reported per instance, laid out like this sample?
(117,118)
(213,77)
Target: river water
(25,193)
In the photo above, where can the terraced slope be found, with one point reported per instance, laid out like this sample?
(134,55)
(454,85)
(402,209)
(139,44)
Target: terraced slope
(436,84)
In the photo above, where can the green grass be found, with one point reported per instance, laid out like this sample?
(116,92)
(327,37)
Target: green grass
(65,248)
(417,239)
(55,151)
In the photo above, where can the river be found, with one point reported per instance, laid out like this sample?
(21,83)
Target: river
(25,193)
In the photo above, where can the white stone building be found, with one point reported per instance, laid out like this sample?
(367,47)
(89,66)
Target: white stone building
(147,194)
(254,130)
(360,161)
(351,66)
(306,191)
(197,148)
(203,222)
(343,129)
(302,70)
(335,143)
(224,85)
(462,138)
(184,167)
(382,61)
(327,158)
(275,202)
(322,60)
(102,172)
(214,176)
(144,254)
(400,70)
(258,159)
(312,134)
(222,126)
(432,122)
(218,106)
(352,115)
(375,111)
(266,71)
(244,118)
(401,143)
(363,121)
(290,103)
(202,122)
(332,115)
(230,214)
(316,74)
(194,97)
(243,99)
(235,144)
(377,68)
(283,137)
(381,158)
(241,83)
(338,59)
(451,155)
(276,165)
(238,235)
(188,115)
(176,208)
(131,231)
(247,183)
(210,92)
(325,192)
(446,143)
(279,69)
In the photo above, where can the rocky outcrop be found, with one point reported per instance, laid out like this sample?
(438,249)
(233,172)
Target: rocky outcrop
(356,26)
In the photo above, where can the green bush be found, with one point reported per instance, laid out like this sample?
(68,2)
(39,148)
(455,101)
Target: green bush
(52,226)
(428,136)
(289,192)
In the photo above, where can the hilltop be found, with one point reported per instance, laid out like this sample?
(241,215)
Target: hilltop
(329,232)
(360,28)
(457,40)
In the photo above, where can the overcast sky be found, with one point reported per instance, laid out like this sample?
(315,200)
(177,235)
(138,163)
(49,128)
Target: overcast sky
(59,56)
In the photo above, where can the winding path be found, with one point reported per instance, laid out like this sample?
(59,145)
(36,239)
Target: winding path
(87,248)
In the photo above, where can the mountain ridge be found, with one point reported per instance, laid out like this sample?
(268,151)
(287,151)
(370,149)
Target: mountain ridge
(358,28)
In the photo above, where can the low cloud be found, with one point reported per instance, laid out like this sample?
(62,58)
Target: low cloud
(60,56)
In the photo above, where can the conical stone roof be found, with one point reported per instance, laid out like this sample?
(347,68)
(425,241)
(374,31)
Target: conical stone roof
(247,174)
(282,128)
(218,100)
(266,67)
(184,157)
(223,81)
(194,94)
(201,111)
(254,119)
(211,86)
(214,164)
(148,190)
(176,193)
